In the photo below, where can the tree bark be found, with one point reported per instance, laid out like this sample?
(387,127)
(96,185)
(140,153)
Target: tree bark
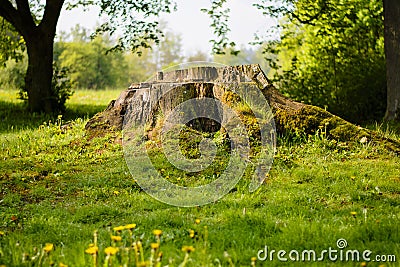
(392,51)
(41,97)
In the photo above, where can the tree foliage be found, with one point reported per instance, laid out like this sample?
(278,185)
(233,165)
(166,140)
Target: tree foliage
(331,54)
(91,67)
(12,44)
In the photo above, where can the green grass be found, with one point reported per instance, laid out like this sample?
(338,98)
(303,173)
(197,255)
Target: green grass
(58,187)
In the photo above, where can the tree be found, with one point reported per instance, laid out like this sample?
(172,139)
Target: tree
(307,12)
(36,23)
(89,64)
(392,51)
(336,60)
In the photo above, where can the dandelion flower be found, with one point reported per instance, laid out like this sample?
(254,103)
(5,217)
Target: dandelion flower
(116,238)
(48,247)
(253,261)
(130,226)
(197,221)
(111,250)
(92,250)
(188,249)
(363,264)
(353,213)
(191,233)
(119,228)
(157,232)
(2,233)
(63,265)
(154,246)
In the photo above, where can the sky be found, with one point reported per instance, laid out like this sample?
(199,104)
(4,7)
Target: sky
(190,23)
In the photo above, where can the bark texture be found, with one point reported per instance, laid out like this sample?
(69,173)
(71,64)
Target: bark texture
(290,116)
(392,51)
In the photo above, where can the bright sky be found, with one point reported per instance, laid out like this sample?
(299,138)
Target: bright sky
(191,23)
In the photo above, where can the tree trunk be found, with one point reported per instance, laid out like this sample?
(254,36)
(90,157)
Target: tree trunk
(392,51)
(41,97)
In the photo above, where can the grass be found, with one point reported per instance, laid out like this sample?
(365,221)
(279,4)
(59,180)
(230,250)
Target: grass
(58,188)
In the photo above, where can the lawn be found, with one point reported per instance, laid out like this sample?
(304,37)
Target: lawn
(70,200)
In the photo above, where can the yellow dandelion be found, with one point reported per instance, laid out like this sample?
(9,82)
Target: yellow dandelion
(353,213)
(253,261)
(116,238)
(363,264)
(130,226)
(188,249)
(48,247)
(116,193)
(191,233)
(119,228)
(197,221)
(111,250)
(157,232)
(62,265)
(92,250)
(155,246)
(2,233)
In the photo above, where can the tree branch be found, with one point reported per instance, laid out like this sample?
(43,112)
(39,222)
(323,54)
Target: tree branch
(310,20)
(9,13)
(51,15)
(25,12)
(19,17)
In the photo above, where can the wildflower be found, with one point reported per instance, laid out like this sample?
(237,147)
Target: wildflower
(197,221)
(364,140)
(63,265)
(253,261)
(191,233)
(119,228)
(111,250)
(157,232)
(363,264)
(2,233)
(116,238)
(155,246)
(353,213)
(116,193)
(130,226)
(188,249)
(92,250)
(48,247)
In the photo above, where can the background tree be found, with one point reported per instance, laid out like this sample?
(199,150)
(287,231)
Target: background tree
(36,23)
(89,64)
(344,20)
(336,59)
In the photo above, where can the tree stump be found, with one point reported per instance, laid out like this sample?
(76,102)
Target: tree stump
(203,81)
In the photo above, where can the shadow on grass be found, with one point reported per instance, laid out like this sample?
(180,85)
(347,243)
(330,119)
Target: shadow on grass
(14,116)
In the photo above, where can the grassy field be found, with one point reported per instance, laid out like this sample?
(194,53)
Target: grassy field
(63,198)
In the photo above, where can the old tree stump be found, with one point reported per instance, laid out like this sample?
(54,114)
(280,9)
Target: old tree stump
(199,82)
